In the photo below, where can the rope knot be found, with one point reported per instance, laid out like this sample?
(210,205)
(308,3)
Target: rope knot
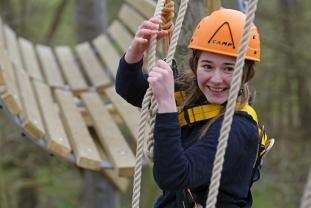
(167,18)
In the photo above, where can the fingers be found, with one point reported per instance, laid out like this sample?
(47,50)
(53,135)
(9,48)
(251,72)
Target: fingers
(141,39)
(161,71)
(150,27)
(162,34)
(145,32)
(150,24)
(163,65)
(161,82)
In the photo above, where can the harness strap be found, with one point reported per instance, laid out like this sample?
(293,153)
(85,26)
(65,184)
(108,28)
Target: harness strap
(189,115)
(194,114)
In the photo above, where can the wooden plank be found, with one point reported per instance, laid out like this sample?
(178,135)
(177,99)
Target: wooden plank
(32,123)
(130,17)
(146,7)
(92,66)
(110,136)
(71,69)
(129,113)
(50,68)
(121,183)
(57,140)
(9,100)
(11,104)
(30,59)
(7,96)
(10,97)
(12,46)
(120,35)
(81,141)
(1,33)
(2,80)
(107,53)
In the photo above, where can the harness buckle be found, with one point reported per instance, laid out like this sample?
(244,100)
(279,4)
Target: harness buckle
(186,114)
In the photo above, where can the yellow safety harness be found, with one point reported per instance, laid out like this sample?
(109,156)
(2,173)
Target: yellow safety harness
(197,113)
(190,115)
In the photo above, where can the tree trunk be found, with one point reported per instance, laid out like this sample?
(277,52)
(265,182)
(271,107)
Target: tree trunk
(91,19)
(24,13)
(296,73)
(28,193)
(196,10)
(99,193)
(8,13)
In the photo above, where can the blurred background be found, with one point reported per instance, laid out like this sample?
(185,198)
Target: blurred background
(30,177)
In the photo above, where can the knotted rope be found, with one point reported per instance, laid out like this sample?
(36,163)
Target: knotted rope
(149,98)
(169,60)
(168,25)
(233,94)
(306,198)
(167,18)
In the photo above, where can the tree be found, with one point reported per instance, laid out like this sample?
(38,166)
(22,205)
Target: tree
(196,10)
(91,19)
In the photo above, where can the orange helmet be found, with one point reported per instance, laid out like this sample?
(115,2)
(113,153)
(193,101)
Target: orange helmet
(221,33)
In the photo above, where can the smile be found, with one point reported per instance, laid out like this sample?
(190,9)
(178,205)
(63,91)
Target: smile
(216,89)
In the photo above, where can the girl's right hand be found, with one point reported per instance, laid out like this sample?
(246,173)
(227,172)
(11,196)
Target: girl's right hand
(142,38)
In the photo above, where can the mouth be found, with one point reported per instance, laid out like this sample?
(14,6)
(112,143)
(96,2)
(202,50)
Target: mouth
(217,89)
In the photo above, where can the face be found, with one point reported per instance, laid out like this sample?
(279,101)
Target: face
(214,75)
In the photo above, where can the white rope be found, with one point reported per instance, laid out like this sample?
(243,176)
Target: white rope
(169,59)
(149,99)
(143,118)
(233,94)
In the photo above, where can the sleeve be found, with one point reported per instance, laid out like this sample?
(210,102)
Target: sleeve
(176,168)
(131,84)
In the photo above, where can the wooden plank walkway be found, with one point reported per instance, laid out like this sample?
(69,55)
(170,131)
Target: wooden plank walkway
(65,96)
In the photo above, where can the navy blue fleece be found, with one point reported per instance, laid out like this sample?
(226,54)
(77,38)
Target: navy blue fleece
(181,160)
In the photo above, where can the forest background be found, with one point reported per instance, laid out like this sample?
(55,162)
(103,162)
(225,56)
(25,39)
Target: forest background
(29,176)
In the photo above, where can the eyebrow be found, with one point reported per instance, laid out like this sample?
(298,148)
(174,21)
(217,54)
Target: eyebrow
(229,64)
(210,62)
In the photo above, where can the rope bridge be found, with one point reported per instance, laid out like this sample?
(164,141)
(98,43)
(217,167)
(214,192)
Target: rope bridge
(63,98)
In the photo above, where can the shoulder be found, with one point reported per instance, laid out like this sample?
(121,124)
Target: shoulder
(240,121)
(243,128)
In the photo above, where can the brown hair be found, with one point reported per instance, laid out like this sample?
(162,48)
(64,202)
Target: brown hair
(194,94)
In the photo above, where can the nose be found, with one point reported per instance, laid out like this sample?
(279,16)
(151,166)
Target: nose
(216,77)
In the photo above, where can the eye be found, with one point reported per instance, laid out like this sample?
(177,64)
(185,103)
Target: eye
(207,67)
(229,69)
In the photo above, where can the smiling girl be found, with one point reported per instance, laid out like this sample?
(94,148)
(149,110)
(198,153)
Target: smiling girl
(186,140)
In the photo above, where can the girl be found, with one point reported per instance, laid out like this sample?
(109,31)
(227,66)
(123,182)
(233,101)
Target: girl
(186,140)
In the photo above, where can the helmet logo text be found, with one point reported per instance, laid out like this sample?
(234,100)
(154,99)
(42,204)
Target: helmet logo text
(223,36)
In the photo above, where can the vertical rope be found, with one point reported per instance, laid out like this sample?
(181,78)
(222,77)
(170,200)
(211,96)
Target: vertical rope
(178,25)
(226,126)
(143,118)
(149,100)
(306,198)
(169,58)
